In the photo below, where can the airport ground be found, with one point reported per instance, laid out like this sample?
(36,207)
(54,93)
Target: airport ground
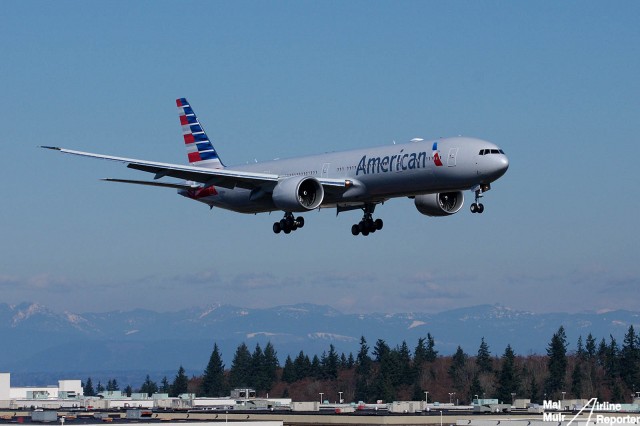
(370,418)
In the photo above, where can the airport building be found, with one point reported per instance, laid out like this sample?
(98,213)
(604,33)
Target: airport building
(66,389)
(66,402)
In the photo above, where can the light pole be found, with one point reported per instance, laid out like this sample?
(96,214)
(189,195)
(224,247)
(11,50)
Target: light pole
(451,397)
(321,393)
(340,400)
(476,396)
(440,417)
(426,397)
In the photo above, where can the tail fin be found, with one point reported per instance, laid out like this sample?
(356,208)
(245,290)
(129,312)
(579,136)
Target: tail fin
(200,150)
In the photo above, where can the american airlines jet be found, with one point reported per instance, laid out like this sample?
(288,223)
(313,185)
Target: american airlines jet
(433,173)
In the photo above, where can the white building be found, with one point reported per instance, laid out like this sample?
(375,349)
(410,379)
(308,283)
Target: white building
(66,389)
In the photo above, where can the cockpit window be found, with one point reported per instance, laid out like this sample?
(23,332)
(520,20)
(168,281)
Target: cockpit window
(490,151)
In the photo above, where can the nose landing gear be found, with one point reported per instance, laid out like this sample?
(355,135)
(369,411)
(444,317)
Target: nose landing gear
(367,225)
(479,207)
(288,223)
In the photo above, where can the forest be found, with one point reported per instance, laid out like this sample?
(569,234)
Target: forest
(604,369)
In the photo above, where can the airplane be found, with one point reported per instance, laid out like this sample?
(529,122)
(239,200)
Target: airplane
(433,173)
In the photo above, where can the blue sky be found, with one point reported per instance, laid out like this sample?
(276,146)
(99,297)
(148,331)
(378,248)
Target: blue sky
(555,84)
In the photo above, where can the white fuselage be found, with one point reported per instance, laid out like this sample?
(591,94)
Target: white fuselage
(376,174)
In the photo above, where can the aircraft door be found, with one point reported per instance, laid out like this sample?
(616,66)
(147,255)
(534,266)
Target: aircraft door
(325,170)
(451,160)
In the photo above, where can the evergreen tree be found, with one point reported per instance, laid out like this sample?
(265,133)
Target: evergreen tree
(420,354)
(616,392)
(418,394)
(343,362)
(419,360)
(612,359)
(240,372)
(590,347)
(99,388)
(316,368)
(180,383)
(288,371)
(601,354)
(576,381)
(483,359)
(213,377)
(149,386)
(580,351)
(457,370)
(113,386)
(363,372)
(165,387)
(404,360)
(556,363)
(271,365)
(630,360)
(476,386)
(329,364)
(302,366)
(258,372)
(431,354)
(88,388)
(128,391)
(350,361)
(534,390)
(380,350)
(508,377)
(389,375)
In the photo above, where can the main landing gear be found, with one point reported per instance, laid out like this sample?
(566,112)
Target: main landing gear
(288,223)
(367,225)
(479,207)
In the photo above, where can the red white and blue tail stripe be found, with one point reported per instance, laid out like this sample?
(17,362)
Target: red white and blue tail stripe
(200,150)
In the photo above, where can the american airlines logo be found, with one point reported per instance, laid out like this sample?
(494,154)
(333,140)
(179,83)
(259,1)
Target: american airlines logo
(399,162)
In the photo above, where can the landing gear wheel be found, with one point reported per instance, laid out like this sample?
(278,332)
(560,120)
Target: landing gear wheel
(288,223)
(478,207)
(367,225)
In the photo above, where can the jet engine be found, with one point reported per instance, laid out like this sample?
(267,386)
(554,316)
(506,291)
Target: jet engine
(298,194)
(442,204)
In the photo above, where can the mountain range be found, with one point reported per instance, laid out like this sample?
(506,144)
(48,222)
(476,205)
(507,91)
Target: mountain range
(39,345)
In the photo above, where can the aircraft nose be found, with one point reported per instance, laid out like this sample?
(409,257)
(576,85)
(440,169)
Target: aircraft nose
(503,165)
(498,167)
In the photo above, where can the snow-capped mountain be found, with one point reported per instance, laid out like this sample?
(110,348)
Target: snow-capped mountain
(38,339)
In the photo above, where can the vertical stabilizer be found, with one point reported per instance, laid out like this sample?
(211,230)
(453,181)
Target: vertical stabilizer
(200,150)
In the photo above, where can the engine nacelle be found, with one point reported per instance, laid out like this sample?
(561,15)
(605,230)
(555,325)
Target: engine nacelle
(298,194)
(443,204)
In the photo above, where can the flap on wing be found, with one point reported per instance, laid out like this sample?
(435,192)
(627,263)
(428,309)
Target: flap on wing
(151,183)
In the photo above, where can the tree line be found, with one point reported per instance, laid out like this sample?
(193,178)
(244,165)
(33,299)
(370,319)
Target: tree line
(606,369)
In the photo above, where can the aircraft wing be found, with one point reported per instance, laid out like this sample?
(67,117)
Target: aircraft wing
(226,178)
